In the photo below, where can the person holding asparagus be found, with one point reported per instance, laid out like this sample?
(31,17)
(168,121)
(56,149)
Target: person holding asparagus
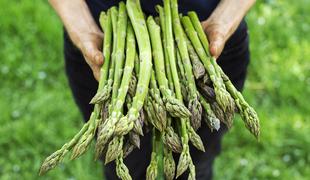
(222,21)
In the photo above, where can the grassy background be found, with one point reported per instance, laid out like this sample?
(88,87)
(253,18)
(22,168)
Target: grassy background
(37,112)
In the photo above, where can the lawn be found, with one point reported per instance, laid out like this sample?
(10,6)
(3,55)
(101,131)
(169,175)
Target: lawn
(38,113)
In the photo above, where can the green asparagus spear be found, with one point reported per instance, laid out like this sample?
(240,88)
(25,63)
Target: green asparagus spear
(105,93)
(173,106)
(152,169)
(185,156)
(193,102)
(157,102)
(172,140)
(169,164)
(145,53)
(212,121)
(198,68)
(200,32)
(109,126)
(191,96)
(192,171)
(222,96)
(121,169)
(95,118)
(106,24)
(84,142)
(137,65)
(115,148)
(247,113)
(181,73)
(120,48)
(57,157)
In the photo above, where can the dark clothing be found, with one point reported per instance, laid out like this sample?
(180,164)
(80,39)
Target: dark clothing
(234,61)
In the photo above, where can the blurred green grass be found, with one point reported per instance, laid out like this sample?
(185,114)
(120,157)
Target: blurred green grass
(38,113)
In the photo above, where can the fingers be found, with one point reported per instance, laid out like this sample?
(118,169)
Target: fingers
(92,53)
(217,37)
(93,57)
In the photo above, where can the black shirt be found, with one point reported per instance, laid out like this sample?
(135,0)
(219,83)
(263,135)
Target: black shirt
(202,7)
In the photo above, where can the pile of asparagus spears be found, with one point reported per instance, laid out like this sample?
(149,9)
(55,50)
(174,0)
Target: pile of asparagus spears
(157,76)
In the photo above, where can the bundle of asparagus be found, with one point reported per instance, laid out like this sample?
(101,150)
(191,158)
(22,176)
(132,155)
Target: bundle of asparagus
(167,84)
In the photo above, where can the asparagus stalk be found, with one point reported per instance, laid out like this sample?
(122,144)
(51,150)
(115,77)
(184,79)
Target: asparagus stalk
(198,68)
(121,169)
(229,112)
(212,121)
(137,65)
(104,94)
(85,140)
(193,100)
(109,126)
(83,143)
(171,49)
(106,24)
(115,148)
(206,91)
(57,157)
(134,137)
(169,164)
(120,49)
(152,169)
(185,156)
(181,73)
(158,105)
(173,106)
(222,96)
(183,52)
(145,52)
(195,138)
(192,171)
(200,32)
(153,118)
(248,114)
(195,108)
(172,140)
(105,83)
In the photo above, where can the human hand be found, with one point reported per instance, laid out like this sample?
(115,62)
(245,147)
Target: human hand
(83,31)
(223,22)
(90,45)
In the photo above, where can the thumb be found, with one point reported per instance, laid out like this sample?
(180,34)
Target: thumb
(92,54)
(93,57)
(216,38)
